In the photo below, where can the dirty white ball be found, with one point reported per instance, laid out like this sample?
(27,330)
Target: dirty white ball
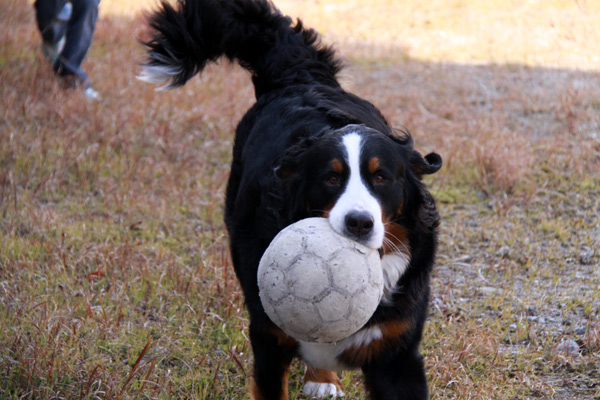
(319,286)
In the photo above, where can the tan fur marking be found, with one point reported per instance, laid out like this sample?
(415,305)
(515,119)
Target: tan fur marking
(321,213)
(374,165)
(392,331)
(322,376)
(327,210)
(337,166)
(396,239)
(399,209)
(284,383)
(283,339)
(256,395)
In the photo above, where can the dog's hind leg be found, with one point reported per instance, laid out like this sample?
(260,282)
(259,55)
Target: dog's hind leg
(321,383)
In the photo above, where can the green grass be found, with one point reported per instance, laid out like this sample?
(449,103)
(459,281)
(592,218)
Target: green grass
(115,277)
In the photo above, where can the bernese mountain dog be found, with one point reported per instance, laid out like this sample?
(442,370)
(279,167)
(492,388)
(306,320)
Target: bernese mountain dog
(308,148)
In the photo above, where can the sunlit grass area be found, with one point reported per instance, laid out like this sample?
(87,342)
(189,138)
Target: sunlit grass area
(537,33)
(534,33)
(115,277)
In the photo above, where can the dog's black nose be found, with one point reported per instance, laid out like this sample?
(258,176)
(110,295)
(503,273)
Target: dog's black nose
(359,223)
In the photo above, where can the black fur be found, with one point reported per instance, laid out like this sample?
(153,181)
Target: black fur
(299,115)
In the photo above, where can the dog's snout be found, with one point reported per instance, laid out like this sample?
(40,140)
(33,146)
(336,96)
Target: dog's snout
(359,223)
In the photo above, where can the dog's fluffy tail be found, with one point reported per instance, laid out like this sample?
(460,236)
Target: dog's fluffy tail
(276,51)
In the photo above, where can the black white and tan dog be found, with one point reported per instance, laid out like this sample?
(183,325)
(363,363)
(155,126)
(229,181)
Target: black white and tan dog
(307,148)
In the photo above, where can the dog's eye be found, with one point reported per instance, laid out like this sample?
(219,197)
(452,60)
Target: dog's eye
(378,178)
(333,180)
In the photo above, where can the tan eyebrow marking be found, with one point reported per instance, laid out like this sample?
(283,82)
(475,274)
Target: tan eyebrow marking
(337,166)
(374,165)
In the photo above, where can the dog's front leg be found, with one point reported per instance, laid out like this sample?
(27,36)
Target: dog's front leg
(273,353)
(399,376)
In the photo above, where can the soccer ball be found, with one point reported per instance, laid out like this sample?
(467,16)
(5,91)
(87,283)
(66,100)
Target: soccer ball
(317,285)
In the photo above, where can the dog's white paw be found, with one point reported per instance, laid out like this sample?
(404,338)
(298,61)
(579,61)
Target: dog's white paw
(321,390)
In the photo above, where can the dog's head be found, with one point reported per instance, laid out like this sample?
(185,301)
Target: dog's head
(368,184)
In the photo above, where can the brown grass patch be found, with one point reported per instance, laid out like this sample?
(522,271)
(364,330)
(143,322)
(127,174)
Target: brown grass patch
(115,279)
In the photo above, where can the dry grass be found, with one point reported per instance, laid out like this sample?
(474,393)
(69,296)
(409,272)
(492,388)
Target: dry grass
(115,279)
(535,33)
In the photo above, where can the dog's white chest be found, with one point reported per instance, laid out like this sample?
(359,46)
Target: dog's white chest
(324,355)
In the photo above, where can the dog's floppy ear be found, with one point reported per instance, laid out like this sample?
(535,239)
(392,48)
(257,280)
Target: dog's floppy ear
(430,164)
(292,161)
(292,184)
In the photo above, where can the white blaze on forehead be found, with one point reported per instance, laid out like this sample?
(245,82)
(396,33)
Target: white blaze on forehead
(356,196)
